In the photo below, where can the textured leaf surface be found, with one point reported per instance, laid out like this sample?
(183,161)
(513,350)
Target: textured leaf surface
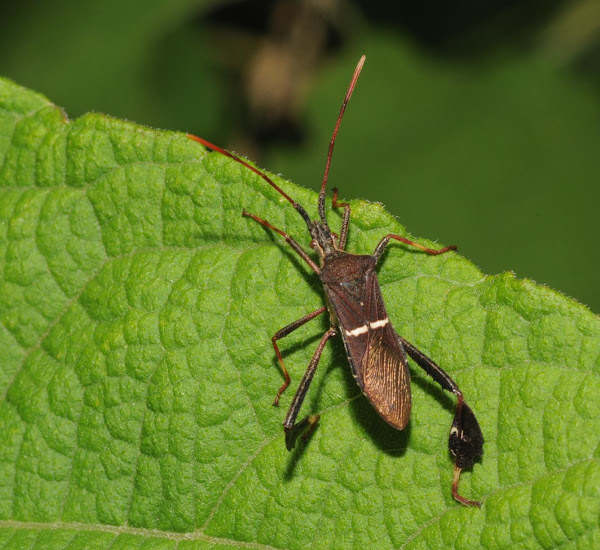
(136,309)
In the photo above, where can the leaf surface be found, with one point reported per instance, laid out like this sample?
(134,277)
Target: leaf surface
(137,376)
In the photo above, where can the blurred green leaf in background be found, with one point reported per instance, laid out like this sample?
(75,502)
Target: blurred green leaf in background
(484,118)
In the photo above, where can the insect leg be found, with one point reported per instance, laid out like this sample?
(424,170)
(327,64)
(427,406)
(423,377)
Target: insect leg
(292,428)
(345,219)
(281,334)
(383,243)
(466,440)
(297,248)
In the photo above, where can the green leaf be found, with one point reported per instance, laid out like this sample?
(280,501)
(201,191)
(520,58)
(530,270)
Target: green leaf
(137,376)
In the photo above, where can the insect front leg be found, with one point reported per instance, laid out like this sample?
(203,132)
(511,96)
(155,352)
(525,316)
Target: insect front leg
(466,440)
(292,428)
(281,334)
(345,219)
(384,242)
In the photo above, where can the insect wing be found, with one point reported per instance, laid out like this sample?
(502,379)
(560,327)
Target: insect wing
(385,369)
(377,360)
(387,379)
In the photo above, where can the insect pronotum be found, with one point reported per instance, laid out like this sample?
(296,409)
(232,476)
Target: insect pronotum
(376,353)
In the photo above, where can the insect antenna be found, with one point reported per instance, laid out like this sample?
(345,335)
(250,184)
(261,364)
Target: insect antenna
(359,67)
(218,149)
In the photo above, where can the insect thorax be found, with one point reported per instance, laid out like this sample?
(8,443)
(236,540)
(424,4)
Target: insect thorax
(343,267)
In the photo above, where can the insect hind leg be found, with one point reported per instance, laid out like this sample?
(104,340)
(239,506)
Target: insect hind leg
(466,440)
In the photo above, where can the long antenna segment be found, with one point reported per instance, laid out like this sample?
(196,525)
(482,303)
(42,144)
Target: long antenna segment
(355,76)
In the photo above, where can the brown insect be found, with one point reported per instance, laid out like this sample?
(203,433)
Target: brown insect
(376,353)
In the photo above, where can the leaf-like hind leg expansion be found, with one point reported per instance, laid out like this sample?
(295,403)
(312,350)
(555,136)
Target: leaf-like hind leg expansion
(466,440)
(465,445)
(292,428)
(281,334)
(384,242)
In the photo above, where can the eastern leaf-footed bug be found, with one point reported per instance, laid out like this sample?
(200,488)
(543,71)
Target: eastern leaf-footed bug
(377,354)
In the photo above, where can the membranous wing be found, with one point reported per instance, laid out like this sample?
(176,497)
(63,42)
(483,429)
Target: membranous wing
(387,381)
(376,357)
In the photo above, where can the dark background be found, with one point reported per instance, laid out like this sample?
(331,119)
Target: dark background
(475,123)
